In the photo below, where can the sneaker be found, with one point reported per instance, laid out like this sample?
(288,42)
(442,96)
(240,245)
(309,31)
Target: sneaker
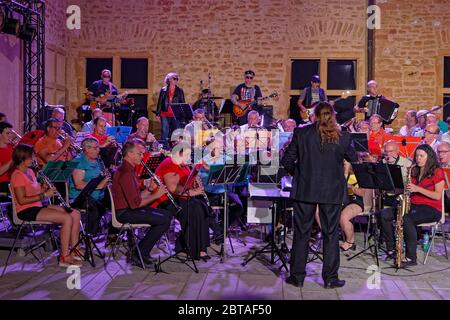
(69,260)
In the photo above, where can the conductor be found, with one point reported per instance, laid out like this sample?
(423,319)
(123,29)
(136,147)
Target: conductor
(315,158)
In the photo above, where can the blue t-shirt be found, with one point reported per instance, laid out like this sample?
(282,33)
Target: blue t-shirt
(92,170)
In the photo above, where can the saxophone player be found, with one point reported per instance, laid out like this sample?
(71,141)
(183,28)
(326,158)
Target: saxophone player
(426,186)
(388,214)
(89,167)
(28,196)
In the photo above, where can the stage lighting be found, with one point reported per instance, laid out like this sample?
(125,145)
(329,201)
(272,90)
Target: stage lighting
(10,25)
(27,32)
(2,18)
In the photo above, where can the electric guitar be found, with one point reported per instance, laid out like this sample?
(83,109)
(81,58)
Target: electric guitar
(103,100)
(309,111)
(241,107)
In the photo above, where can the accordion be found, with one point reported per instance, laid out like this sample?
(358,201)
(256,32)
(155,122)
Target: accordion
(387,109)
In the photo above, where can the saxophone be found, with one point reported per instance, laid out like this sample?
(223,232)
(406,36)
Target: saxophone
(403,208)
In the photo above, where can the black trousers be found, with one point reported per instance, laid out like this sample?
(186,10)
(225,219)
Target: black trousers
(159,220)
(95,210)
(417,215)
(303,221)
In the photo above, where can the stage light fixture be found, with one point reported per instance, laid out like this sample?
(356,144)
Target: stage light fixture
(10,24)
(27,32)
(2,18)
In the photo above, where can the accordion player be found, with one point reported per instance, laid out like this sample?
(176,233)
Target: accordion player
(386,108)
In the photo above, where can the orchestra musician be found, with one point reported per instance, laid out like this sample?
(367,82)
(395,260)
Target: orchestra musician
(3,117)
(6,163)
(50,147)
(170,93)
(289,125)
(89,126)
(207,105)
(377,131)
(132,204)
(99,91)
(431,135)
(446,136)
(108,145)
(310,95)
(28,197)
(142,132)
(352,206)
(372,97)
(411,125)
(426,185)
(194,217)
(89,167)
(247,91)
(443,153)
(315,158)
(59,114)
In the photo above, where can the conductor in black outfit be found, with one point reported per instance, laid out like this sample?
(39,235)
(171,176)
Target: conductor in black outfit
(315,158)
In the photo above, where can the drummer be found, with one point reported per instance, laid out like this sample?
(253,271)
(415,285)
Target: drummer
(208,105)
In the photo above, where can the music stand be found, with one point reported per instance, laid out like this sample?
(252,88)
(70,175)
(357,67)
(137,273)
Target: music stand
(226,175)
(183,113)
(407,145)
(360,141)
(120,133)
(60,171)
(376,176)
(226,107)
(86,237)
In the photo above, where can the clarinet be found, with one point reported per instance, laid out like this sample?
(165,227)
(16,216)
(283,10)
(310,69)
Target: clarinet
(41,176)
(160,184)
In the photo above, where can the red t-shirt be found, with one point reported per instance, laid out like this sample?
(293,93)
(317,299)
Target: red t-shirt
(428,184)
(169,112)
(167,166)
(5,157)
(101,138)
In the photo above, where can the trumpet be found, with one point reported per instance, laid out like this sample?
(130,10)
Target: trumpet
(16,139)
(45,180)
(160,184)
(75,148)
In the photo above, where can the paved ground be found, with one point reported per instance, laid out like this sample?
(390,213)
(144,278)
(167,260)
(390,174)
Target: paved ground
(259,279)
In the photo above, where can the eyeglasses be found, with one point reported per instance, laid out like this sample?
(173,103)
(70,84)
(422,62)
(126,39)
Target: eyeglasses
(248,77)
(176,79)
(430,132)
(443,151)
(58,128)
(106,77)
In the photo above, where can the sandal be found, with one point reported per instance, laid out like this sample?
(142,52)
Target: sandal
(69,260)
(352,247)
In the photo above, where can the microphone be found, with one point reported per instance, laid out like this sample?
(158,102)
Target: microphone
(404,142)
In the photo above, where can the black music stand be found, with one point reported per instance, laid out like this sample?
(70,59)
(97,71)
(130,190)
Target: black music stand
(272,245)
(226,175)
(183,113)
(376,176)
(182,235)
(360,141)
(86,237)
(227,108)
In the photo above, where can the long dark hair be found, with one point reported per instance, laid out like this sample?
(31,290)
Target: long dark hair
(430,166)
(326,123)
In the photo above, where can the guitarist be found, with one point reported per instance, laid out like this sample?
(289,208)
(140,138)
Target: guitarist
(310,95)
(99,91)
(246,91)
